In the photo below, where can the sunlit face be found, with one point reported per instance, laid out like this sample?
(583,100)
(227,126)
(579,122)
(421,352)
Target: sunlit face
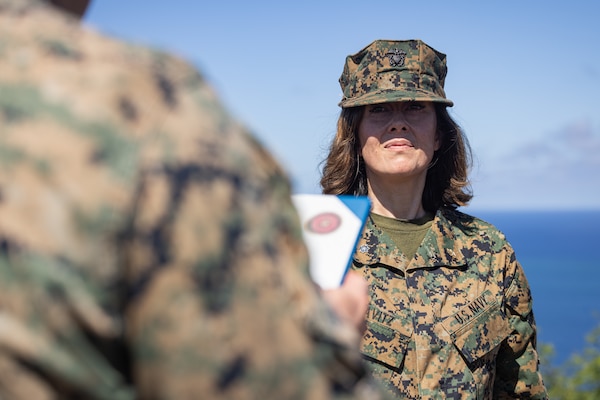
(398,140)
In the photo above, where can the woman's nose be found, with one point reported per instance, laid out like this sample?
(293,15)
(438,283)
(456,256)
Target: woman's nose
(397,122)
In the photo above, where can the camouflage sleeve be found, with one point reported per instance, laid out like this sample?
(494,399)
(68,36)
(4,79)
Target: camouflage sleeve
(518,374)
(220,303)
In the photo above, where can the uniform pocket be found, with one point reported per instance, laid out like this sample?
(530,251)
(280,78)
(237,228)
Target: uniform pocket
(382,340)
(478,327)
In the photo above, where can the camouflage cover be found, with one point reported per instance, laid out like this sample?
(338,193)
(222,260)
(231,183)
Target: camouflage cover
(394,70)
(148,245)
(455,321)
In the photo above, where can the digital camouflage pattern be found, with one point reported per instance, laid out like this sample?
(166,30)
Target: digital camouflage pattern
(394,70)
(455,321)
(149,248)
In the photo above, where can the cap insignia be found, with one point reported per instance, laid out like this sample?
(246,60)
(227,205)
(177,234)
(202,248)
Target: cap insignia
(396,57)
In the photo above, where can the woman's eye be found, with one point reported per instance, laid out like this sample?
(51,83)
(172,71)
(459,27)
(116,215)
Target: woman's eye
(415,106)
(376,109)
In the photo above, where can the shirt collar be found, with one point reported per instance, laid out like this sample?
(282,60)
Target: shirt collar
(440,247)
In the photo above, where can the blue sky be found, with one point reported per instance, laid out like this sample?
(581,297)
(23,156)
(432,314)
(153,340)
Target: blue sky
(524,77)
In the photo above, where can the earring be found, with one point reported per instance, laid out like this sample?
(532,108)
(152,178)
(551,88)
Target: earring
(357,173)
(433,162)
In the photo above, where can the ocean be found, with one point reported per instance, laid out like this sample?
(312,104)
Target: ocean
(560,253)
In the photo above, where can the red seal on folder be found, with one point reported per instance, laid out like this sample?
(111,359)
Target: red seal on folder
(324,223)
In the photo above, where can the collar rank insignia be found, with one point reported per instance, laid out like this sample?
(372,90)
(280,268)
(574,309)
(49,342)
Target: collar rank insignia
(396,57)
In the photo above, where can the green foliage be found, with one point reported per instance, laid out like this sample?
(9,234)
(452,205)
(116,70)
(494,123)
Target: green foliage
(579,377)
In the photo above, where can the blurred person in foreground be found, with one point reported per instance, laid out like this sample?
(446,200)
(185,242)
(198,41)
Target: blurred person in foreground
(149,248)
(451,310)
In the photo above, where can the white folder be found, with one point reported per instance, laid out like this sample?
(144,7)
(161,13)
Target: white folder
(331,227)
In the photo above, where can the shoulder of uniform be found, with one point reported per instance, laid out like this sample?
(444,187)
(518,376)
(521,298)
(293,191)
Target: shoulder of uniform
(471,226)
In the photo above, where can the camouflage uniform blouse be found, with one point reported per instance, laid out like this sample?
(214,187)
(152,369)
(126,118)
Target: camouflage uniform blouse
(148,245)
(455,322)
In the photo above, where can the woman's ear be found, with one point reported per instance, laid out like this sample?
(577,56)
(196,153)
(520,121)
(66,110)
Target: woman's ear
(438,139)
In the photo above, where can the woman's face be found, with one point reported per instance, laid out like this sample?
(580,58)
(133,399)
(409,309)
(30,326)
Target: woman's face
(398,140)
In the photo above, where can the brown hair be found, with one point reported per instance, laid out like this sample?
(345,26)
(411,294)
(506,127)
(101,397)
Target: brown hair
(447,181)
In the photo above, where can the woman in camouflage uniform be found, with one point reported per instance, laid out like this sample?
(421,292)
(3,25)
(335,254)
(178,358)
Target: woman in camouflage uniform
(451,310)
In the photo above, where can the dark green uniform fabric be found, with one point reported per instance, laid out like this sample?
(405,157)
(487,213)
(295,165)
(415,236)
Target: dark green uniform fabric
(453,322)
(149,248)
